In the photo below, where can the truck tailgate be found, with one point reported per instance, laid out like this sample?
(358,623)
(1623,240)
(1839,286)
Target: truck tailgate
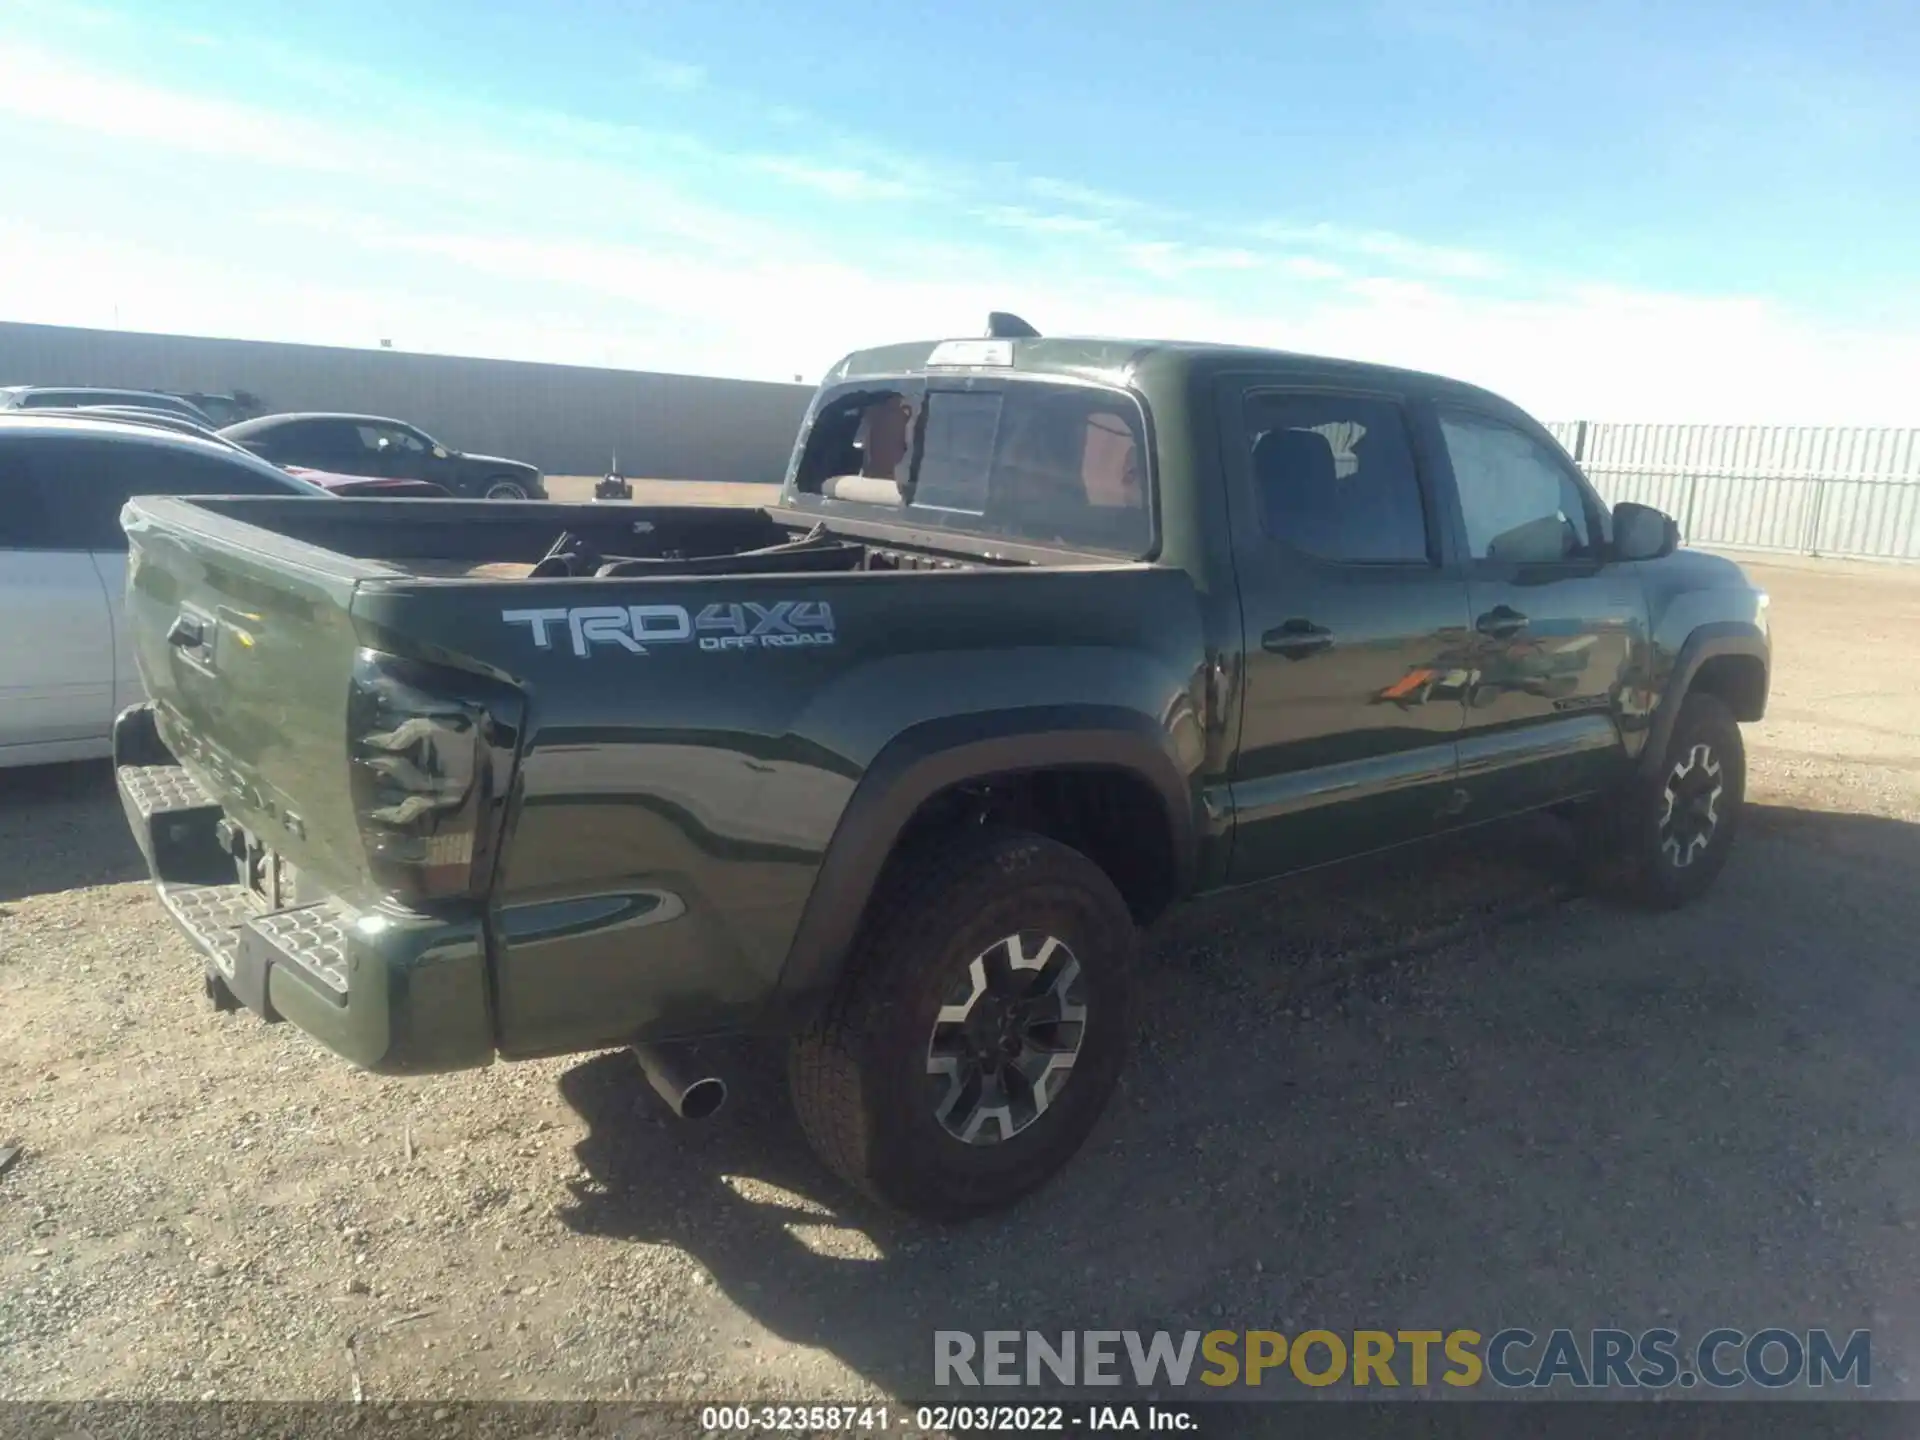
(245,643)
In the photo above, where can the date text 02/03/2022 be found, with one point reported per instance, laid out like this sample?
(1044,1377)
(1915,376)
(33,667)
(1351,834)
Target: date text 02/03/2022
(949,1419)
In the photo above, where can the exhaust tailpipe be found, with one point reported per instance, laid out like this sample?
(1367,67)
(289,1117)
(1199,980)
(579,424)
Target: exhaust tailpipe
(691,1096)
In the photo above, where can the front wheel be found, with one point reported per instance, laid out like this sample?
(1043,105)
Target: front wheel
(505,490)
(1663,841)
(980,1030)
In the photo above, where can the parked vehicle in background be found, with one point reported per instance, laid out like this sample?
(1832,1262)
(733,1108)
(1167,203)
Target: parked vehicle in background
(374,445)
(1044,637)
(333,484)
(67,397)
(613,485)
(137,415)
(65,667)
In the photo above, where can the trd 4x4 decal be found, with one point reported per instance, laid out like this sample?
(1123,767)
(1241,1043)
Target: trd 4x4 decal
(741,625)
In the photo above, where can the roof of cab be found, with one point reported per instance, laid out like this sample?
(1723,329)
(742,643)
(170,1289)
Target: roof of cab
(1133,362)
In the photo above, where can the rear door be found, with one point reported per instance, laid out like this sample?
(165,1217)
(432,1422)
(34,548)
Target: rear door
(1356,640)
(280,444)
(56,640)
(1558,630)
(315,444)
(408,455)
(380,450)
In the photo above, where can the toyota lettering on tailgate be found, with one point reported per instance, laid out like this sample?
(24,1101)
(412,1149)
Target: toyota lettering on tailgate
(743,625)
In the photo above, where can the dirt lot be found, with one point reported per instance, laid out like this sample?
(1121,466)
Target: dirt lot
(578,488)
(1439,1094)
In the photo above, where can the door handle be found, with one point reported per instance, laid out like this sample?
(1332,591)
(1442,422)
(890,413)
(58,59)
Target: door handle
(1297,639)
(187,633)
(1501,622)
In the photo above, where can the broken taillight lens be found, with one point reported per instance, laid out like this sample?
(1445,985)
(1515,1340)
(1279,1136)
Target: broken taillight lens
(431,762)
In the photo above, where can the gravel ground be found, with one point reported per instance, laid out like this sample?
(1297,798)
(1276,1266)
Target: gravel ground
(579,488)
(1427,1090)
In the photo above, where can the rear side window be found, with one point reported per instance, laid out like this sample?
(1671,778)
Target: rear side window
(316,443)
(278,442)
(1042,464)
(1334,476)
(372,435)
(86,483)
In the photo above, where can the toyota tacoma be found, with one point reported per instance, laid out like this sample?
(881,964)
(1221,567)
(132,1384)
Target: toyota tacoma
(1043,637)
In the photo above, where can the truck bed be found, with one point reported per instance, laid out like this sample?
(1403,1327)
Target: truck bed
(645,737)
(456,538)
(369,539)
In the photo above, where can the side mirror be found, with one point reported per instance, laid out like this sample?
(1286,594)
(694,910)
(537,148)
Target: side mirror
(1641,532)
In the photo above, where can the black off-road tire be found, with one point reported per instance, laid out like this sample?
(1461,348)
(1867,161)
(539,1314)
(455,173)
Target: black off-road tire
(859,1076)
(1637,847)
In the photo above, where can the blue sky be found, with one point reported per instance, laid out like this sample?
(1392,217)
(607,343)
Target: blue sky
(1617,210)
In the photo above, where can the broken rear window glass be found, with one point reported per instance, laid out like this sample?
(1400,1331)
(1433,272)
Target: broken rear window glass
(1044,464)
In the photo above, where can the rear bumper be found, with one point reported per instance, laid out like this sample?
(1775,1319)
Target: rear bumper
(394,993)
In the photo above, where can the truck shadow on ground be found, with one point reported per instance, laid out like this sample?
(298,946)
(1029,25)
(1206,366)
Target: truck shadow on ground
(61,827)
(1577,1116)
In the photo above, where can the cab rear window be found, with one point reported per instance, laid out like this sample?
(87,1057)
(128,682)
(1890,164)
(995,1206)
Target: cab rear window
(1055,465)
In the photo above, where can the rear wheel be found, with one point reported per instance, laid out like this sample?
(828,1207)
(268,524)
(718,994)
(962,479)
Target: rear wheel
(1663,841)
(981,1028)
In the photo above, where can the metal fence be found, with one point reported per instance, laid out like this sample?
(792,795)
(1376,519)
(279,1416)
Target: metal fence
(1848,492)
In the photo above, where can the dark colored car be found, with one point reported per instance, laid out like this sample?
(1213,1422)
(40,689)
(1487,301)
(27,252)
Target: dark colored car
(332,483)
(372,445)
(1044,637)
(67,397)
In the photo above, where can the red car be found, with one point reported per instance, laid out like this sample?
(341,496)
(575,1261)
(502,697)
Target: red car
(371,485)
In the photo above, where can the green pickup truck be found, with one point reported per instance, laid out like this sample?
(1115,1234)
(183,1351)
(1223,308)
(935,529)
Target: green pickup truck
(1043,637)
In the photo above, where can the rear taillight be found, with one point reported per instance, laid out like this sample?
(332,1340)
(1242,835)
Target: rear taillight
(432,753)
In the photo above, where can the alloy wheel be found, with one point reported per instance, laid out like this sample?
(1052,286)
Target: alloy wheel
(1690,813)
(1005,1040)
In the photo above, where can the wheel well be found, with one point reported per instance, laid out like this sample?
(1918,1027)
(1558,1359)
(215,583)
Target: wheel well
(1109,814)
(1738,680)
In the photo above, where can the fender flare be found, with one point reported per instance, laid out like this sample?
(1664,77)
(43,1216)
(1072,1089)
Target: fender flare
(1704,643)
(937,754)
